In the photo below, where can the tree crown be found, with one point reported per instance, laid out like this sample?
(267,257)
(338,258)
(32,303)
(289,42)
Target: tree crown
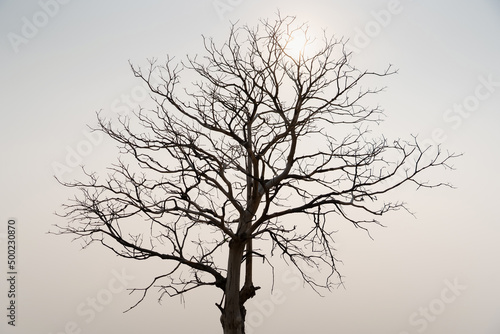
(263,133)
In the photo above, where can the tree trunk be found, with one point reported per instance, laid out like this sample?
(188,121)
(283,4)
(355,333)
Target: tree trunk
(233,318)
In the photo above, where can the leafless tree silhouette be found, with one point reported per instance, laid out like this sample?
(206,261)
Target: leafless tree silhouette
(223,163)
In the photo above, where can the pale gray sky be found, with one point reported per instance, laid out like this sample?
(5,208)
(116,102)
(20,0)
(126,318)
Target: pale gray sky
(60,61)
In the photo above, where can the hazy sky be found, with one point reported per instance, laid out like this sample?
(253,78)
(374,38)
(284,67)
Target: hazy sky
(61,61)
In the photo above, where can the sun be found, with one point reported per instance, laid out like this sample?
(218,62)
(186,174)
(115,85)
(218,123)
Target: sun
(296,44)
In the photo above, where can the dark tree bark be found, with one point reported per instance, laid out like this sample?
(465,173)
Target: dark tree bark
(220,166)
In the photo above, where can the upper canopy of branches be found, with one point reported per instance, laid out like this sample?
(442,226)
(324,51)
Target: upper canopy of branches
(264,132)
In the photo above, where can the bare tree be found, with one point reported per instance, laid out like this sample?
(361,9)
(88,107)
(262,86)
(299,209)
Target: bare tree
(222,165)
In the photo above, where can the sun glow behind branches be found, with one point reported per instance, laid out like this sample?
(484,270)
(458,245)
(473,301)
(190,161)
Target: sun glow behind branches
(297,44)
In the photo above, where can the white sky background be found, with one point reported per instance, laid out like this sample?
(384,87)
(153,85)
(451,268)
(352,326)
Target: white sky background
(77,64)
